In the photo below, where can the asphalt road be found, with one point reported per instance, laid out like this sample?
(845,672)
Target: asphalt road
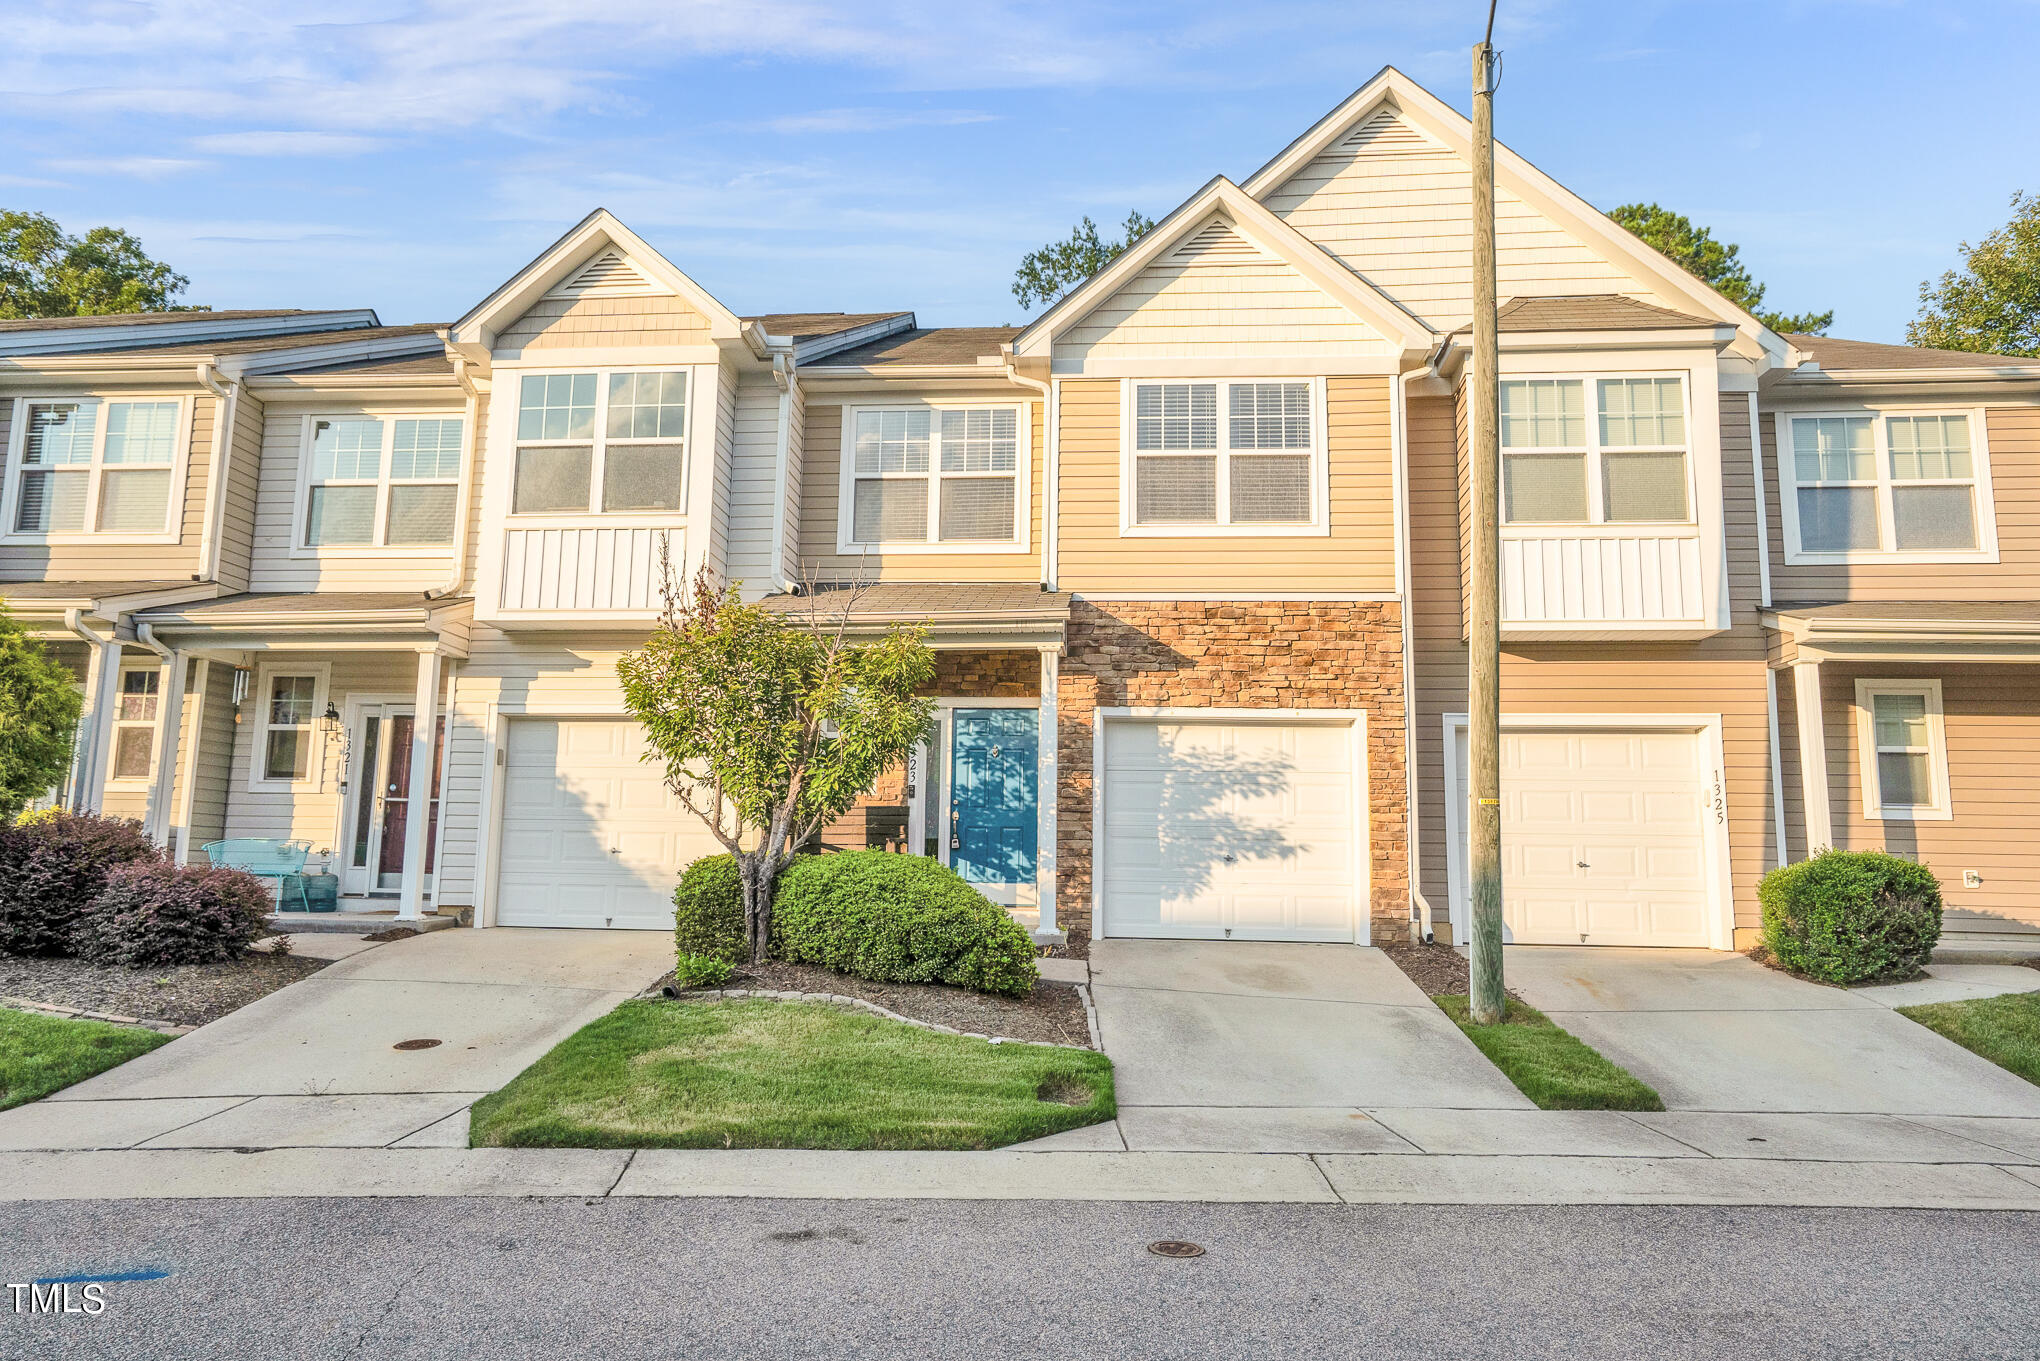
(439,1279)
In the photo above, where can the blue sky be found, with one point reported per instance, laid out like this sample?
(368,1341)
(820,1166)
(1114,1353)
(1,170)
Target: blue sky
(860,156)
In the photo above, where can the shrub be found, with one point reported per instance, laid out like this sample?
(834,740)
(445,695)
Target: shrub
(701,971)
(898,919)
(1845,916)
(708,914)
(52,866)
(154,914)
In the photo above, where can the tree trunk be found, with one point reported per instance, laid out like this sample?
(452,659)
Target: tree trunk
(753,873)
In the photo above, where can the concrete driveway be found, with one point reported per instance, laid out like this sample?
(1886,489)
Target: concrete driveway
(1718,1032)
(1256,1047)
(314,1064)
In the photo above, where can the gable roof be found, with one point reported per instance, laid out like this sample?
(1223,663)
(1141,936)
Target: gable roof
(1837,355)
(149,318)
(1434,118)
(594,235)
(1591,312)
(1250,219)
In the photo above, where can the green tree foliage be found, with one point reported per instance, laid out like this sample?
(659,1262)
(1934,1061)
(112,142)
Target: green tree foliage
(1714,263)
(1992,304)
(1046,274)
(39,706)
(46,272)
(769,727)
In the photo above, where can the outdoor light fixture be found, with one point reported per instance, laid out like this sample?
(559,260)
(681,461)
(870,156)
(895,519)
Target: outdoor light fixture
(335,733)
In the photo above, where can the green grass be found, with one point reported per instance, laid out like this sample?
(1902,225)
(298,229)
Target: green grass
(42,1054)
(1550,1066)
(762,1074)
(2005,1030)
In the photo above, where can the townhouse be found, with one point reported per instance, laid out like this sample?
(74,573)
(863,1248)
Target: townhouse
(1190,548)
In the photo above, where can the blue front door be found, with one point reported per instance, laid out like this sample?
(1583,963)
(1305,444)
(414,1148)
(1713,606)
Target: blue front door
(993,795)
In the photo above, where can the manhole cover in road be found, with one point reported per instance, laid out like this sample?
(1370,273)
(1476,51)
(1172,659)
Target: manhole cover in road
(1170,1247)
(416,1044)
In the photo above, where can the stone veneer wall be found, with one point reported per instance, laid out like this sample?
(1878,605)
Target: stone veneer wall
(1245,655)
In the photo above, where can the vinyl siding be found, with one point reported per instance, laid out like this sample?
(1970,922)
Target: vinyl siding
(244,474)
(820,470)
(1357,556)
(213,711)
(796,462)
(2013,436)
(718,527)
(590,323)
(755,505)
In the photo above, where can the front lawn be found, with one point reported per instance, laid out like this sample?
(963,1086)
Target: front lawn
(2005,1030)
(42,1054)
(763,1074)
(1549,1065)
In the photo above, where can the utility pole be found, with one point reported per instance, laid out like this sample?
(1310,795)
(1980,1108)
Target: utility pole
(1484,591)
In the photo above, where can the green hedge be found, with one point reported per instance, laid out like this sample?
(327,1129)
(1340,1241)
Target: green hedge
(1847,916)
(898,918)
(708,921)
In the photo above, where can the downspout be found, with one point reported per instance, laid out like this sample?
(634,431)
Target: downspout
(225,411)
(1420,906)
(465,496)
(1050,446)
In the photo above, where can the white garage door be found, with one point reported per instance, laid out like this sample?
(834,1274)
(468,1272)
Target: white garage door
(590,836)
(1604,837)
(1217,830)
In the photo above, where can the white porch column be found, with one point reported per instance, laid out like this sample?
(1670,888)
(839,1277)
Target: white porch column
(95,742)
(1813,773)
(169,733)
(200,679)
(1046,794)
(418,812)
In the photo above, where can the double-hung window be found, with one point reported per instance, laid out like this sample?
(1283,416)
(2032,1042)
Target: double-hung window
(134,722)
(289,705)
(1903,747)
(1626,462)
(89,466)
(380,481)
(1905,485)
(601,443)
(1226,455)
(933,475)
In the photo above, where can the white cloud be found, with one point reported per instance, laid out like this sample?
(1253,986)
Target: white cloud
(139,167)
(285,143)
(874,120)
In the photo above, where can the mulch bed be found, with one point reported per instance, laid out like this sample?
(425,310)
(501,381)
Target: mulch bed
(182,994)
(1439,970)
(1052,1014)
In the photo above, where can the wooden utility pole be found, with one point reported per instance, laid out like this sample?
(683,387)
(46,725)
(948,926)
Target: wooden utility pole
(1484,590)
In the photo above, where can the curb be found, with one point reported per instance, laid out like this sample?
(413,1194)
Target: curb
(80,1014)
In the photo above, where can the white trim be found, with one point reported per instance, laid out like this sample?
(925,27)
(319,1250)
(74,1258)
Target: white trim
(488,830)
(1783,855)
(187,787)
(1595,452)
(258,755)
(598,442)
(1715,830)
(1022,475)
(1006,895)
(1272,596)
(385,480)
(1319,525)
(1810,729)
(1942,808)
(179,469)
(1360,906)
(1267,366)
(566,359)
(152,666)
(1985,504)
(187,328)
(1051,484)
(1763,519)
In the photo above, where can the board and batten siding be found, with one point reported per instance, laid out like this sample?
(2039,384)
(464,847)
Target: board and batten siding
(1357,556)
(110,559)
(603,323)
(2012,434)
(1217,295)
(821,466)
(276,564)
(1398,209)
(1722,674)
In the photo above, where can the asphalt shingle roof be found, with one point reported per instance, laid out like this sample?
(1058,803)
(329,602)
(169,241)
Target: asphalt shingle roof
(1841,355)
(923,346)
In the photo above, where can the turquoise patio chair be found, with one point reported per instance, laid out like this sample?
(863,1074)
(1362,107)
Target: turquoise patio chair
(283,861)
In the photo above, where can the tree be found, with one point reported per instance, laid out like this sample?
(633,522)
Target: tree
(770,727)
(45,272)
(39,706)
(1046,274)
(1713,263)
(1992,304)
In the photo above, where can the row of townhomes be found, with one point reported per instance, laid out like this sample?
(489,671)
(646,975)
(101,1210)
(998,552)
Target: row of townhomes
(1190,548)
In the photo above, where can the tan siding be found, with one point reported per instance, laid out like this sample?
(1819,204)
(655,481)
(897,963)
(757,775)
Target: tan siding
(215,756)
(244,475)
(1358,555)
(821,467)
(2013,433)
(588,323)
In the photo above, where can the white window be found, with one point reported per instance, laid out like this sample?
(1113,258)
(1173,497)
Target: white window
(1904,750)
(86,467)
(1219,456)
(289,704)
(134,723)
(926,477)
(1910,486)
(379,482)
(600,443)
(1626,463)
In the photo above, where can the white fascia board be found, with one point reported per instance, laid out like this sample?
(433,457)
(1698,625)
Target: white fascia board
(71,340)
(1669,338)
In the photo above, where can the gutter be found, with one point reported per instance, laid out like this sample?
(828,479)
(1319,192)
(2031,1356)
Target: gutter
(1050,464)
(226,410)
(464,493)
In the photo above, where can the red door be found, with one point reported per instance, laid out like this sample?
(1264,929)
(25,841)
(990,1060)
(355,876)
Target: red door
(397,796)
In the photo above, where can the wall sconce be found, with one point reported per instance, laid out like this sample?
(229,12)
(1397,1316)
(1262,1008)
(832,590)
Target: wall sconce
(335,733)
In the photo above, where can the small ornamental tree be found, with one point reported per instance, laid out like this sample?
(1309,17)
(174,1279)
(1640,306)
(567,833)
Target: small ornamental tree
(39,707)
(770,725)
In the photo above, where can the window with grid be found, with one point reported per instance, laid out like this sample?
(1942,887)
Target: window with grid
(1883,483)
(382,481)
(89,466)
(288,713)
(1628,463)
(134,723)
(1904,749)
(601,443)
(1252,464)
(934,475)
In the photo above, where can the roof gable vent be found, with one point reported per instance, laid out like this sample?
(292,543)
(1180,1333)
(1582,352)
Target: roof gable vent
(1385,135)
(608,275)
(1216,243)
